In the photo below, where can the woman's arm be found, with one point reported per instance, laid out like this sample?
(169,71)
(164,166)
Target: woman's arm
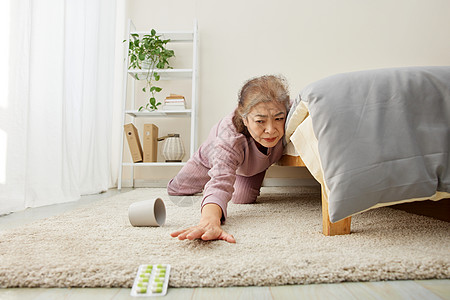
(208,228)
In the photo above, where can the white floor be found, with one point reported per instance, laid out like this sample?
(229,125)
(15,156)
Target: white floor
(419,289)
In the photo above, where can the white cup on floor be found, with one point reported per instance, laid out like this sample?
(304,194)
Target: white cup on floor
(147,213)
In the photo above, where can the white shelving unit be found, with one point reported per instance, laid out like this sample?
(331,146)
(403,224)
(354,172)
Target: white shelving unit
(129,107)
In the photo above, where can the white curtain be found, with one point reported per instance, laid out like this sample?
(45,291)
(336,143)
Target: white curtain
(56,116)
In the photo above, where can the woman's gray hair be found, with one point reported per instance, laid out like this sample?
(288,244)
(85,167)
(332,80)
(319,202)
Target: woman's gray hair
(257,90)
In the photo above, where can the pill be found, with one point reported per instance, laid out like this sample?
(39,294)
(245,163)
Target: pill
(157,290)
(157,284)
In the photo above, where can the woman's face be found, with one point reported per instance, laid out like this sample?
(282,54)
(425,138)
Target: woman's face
(265,123)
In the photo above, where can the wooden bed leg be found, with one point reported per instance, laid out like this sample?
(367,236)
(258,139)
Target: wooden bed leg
(338,228)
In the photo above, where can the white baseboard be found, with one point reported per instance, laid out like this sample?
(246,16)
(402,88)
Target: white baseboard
(142,183)
(162,183)
(154,183)
(290,182)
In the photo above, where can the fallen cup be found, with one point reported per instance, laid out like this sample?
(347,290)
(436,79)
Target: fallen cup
(147,213)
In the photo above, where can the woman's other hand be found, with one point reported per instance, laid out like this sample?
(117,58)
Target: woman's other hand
(208,227)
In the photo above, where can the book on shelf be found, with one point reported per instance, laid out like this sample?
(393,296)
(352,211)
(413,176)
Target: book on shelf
(174,102)
(174,107)
(175,97)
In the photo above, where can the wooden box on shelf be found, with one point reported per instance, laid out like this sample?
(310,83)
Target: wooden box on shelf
(150,142)
(133,142)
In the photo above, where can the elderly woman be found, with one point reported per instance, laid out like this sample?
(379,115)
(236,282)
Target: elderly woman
(231,163)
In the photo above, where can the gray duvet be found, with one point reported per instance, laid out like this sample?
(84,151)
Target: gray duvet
(383,135)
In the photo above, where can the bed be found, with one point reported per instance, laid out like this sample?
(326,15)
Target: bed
(372,138)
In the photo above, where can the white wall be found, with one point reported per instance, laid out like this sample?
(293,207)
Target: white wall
(303,40)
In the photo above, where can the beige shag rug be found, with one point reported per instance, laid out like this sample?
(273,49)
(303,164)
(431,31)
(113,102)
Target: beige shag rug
(279,242)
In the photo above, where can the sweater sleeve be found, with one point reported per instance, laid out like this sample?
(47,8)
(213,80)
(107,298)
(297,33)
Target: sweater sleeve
(227,153)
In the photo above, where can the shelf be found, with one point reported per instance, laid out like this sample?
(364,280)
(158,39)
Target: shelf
(187,72)
(140,74)
(158,113)
(155,164)
(174,36)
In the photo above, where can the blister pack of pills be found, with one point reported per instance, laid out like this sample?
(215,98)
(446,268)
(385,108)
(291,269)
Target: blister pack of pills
(151,280)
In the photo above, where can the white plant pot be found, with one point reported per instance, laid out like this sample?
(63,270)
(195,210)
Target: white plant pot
(146,64)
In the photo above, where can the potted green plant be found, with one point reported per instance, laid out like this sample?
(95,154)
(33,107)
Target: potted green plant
(149,52)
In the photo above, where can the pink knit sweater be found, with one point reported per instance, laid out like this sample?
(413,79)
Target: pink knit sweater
(227,153)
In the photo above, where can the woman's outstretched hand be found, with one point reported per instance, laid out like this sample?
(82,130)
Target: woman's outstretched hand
(208,228)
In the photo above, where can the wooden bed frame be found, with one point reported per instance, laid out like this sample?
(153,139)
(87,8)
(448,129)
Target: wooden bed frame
(338,228)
